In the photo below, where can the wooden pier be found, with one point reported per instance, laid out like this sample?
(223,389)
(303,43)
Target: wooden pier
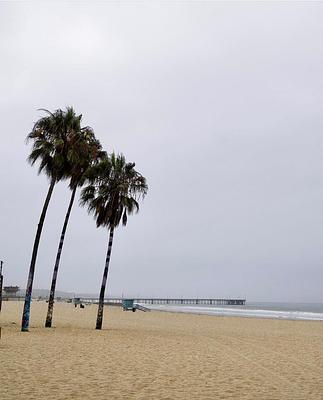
(217,302)
(172,301)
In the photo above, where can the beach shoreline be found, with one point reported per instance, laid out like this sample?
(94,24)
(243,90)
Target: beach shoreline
(243,313)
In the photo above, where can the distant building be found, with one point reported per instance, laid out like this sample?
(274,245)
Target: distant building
(11,290)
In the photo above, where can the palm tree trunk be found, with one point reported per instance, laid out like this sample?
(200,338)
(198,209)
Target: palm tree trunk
(29,288)
(104,281)
(49,317)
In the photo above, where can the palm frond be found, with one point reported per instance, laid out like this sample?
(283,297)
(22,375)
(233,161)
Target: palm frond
(63,148)
(115,188)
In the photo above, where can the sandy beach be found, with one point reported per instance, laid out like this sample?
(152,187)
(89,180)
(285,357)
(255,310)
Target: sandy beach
(157,355)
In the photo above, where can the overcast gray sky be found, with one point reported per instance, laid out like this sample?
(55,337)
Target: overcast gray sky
(219,105)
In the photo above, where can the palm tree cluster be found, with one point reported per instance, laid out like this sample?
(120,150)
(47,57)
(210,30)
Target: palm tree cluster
(111,190)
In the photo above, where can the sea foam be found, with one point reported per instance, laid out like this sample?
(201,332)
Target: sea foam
(241,312)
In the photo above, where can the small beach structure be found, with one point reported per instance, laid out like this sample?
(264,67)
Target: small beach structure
(78,302)
(129,305)
(11,291)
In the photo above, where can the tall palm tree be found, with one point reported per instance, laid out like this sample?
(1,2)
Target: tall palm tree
(111,195)
(85,151)
(50,136)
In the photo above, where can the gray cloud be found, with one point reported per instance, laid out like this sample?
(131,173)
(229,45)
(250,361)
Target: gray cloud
(219,104)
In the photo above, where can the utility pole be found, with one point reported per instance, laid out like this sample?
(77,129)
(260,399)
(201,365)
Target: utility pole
(1,283)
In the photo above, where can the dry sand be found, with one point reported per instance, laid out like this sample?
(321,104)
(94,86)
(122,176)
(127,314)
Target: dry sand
(157,355)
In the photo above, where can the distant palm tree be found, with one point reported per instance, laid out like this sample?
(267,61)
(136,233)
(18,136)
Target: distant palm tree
(111,195)
(85,150)
(50,136)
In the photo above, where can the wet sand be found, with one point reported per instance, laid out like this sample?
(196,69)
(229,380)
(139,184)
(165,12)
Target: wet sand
(157,355)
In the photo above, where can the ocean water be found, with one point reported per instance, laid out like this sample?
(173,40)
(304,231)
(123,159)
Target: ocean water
(290,311)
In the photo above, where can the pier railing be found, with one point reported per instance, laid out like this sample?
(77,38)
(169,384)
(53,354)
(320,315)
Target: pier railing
(204,301)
